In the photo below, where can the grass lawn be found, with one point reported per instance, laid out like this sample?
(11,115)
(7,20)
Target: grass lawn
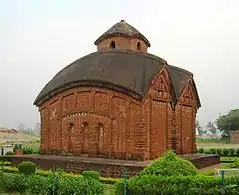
(109,189)
(216,145)
(222,158)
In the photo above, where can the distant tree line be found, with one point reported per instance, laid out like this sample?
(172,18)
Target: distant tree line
(225,123)
(30,131)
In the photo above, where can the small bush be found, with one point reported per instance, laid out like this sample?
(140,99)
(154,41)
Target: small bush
(219,151)
(9,153)
(231,152)
(201,150)
(91,174)
(225,152)
(213,150)
(170,164)
(237,152)
(27,167)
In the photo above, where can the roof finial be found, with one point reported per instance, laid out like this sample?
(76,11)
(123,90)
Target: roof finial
(121,20)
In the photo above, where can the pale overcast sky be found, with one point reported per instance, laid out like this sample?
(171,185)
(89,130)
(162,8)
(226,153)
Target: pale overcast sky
(40,37)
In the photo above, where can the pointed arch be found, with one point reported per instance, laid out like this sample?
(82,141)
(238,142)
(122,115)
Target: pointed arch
(138,46)
(112,45)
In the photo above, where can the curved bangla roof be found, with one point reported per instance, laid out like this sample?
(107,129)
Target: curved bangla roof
(126,71)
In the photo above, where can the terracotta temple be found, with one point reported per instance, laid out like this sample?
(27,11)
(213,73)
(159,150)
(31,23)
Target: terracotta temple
(119,102)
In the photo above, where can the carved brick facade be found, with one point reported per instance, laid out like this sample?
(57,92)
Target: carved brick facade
(106,123)
(98,121)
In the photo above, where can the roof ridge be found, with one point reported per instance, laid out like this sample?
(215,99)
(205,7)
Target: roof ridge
(181,69)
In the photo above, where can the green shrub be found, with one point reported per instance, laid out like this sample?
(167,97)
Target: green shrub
(188,185)
(10,182)
(27,167)
(170,164)
(201,150)
(109,180)
(237,152)
(91,174)
(213,151)
(234,164)
(231,152)
(27,150)
(79,185)
(9,153)
(17,147)
(36,184)
(225,152)
(219,151)
(5,163)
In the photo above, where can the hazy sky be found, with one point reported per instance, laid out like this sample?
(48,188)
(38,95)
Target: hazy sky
(40,37)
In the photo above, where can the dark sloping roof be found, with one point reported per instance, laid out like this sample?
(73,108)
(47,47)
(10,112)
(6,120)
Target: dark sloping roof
(123,29)
(128,71)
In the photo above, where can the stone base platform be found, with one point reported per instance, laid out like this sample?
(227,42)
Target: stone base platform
(106,167)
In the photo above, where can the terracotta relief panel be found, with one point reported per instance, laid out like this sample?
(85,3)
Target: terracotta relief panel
(159,88)
(140,131)
(119,107)
(68,103)
(159,128)
(84,100)
(187,129)
(187,97)
(44,128)
(102,102)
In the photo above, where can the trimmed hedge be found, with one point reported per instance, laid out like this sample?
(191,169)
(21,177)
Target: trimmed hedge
(91,174)
(171,175)
(45,173)
(227,152)
(35,184)
(181,185)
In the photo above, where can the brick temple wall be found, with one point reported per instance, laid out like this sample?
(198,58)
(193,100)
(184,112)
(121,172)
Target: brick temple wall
(234,138)
(97,122)
(123,43)
(100,122)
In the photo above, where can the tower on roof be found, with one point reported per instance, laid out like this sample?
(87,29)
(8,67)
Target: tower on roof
(122,36)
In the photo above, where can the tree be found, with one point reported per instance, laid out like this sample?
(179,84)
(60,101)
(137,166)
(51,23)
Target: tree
(228,122)
(211,127)
(199,128)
